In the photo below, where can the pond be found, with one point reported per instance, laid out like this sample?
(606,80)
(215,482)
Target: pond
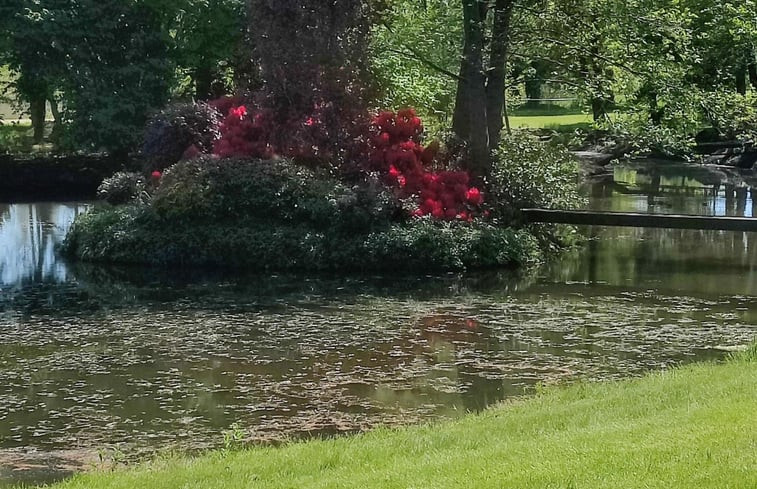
(100,365)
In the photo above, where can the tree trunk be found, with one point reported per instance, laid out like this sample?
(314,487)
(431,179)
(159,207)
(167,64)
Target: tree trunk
(598,108)
(469,120)
(479,132)
(752,69)
(57,117)
(37,106)
(204,83)
(655,111)
(495,85)
(741,80)
(460,120)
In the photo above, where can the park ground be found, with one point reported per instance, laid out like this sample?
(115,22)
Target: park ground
(687,427)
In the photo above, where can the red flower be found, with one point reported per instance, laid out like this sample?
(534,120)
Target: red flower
(156,175)
(310,122)
(474,196)
(239,112)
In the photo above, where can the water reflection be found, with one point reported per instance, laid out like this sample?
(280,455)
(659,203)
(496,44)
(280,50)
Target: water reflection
(29,234)
(655,187)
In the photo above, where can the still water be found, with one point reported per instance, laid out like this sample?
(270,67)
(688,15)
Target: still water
(97,360)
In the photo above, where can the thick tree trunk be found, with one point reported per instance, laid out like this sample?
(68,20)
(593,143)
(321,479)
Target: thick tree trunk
(460,119)
(37,106)
(469,120)
(479,132)
(495,84)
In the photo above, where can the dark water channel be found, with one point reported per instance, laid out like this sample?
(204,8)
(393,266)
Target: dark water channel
(113,363)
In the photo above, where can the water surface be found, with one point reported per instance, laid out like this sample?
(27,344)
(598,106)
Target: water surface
(127,361)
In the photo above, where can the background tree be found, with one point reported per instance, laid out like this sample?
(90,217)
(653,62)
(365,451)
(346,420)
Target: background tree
(479,104)
(27,48)
(209,43)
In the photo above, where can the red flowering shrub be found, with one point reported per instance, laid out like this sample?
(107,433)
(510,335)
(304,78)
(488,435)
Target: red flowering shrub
(395,152)
(224,104)
(398,154)
(244,134)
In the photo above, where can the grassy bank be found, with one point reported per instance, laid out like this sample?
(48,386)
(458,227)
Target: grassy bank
(691,427)
(550,121)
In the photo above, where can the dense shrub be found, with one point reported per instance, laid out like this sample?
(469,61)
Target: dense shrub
(129,235)
(274,214)
(529,173)
(122,188)
(208,189)
(174,130)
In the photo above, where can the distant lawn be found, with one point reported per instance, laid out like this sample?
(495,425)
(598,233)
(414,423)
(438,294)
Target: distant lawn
(15,137)
(686,428)
(551,121)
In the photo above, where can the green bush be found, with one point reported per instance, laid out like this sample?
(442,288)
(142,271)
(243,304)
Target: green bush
(122,188)
(529,173)
(274,215)
(170,132)
(131,234)
(215,190)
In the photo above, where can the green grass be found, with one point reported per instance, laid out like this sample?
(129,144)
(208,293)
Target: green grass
(691,427)
(550,121)
(547,109)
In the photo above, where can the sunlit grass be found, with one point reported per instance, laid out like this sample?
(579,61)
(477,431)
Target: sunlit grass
(550,121)
(692,427)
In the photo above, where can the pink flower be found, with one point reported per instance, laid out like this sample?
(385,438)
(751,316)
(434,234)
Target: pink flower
(310,122)
(156,175)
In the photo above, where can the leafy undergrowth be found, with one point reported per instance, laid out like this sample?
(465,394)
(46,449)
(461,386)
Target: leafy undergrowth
(691,427)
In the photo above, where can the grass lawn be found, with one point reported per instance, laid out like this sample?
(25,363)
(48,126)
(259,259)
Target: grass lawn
(692,427)
(16,138)
(550,121)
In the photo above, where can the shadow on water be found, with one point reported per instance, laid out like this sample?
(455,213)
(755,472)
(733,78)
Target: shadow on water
(136,360)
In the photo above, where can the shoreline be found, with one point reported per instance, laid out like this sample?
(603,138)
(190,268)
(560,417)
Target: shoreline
(678,428)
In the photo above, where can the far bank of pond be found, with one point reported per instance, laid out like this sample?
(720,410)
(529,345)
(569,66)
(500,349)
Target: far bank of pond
(129,361)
